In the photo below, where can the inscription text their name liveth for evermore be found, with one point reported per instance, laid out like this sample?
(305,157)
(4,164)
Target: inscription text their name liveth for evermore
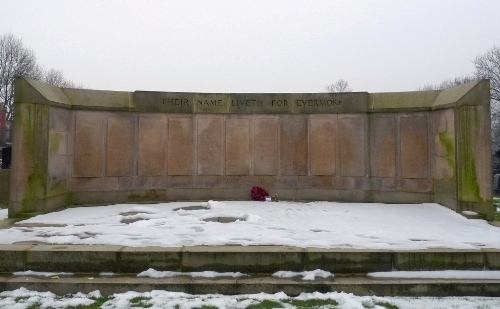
(253,102)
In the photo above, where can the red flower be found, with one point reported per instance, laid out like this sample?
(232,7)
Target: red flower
(258,194)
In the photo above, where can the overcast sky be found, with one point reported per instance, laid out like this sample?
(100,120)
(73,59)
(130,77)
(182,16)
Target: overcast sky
(255,46)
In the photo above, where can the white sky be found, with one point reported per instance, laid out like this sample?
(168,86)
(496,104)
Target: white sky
(255,46)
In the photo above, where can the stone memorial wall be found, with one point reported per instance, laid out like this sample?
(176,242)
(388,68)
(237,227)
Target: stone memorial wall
(87,147)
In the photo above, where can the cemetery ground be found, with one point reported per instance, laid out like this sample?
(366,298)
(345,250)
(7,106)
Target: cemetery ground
(322,225)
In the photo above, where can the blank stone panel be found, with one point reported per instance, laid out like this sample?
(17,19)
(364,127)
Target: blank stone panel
(120,146)
(265,146)
(180,146)
(88,146)
(294,145)
(209,145)
(383,131)
(238,152)
(323,144)
(152,130)
(352,146)
(414,147)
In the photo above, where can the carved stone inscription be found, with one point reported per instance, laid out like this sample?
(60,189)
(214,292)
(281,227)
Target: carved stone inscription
(265,103)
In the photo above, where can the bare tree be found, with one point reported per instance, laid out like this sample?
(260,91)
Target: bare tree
(448,83)
(488,66)
(56,78)
(339,86)
(15,60)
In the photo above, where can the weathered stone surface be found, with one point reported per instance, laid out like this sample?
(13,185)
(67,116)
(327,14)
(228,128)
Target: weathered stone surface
(137,259)
(12,257)
(323,144)
(152,146)
(294,145)
(265,145)
(209,145)
(180,146)
(352,145)
(245,259)
(120,146)
(88,159)
(438,259)
(348,260)
(383,146)
(414,146)
(72,258)
(238,150)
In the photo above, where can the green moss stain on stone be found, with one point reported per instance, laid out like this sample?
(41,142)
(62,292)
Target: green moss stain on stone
(447,140)
(34,120)
(54,142)
(469,187)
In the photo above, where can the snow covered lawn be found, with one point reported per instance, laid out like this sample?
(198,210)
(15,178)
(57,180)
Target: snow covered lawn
(314,224)
(22,299)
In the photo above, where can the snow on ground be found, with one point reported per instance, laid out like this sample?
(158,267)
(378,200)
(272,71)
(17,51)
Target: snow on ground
(3,214)
(22,298)
(306,275)
(442,274)
(40,273)
(314,224)
(152,273)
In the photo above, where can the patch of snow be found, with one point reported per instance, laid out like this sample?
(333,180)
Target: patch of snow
(152,273)
(470,213)
(313,224)
(4,214)
(23,298)
(443,274)
(306,275)
(40,273)
(107,274)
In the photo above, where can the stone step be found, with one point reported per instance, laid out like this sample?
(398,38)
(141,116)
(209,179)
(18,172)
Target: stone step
(245,259)
(357,284)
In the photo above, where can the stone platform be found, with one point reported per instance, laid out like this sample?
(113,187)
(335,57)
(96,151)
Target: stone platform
(349,266)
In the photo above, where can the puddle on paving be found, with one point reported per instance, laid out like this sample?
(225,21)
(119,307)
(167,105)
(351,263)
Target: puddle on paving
(223,219)
(192,208)
(131,220)
(39,225)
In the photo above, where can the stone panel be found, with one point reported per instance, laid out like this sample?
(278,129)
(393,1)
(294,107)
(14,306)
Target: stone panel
(238,152)
(59,119)
(294,145)
(352,145)
(88,157)
(265,146)
(209,144)
(151,157)
(120,146)
(180,146)
(323,144)
(383,146)
(414,147)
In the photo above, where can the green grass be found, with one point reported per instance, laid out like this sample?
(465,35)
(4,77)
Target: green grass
(140,301)
(34,306)
(98,301)
(387,305)
(496,201)
(265,304)
(312,303)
